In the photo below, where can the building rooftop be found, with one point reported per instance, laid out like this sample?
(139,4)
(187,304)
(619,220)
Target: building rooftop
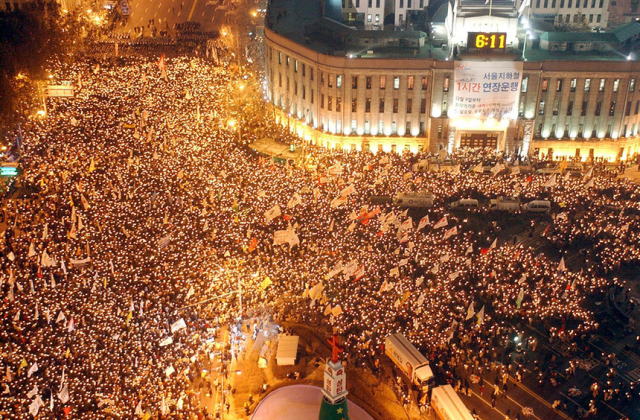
(302,21)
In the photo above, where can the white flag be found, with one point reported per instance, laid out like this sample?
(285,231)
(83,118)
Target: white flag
(423,222)
(273,213)
(551,182)
(166,341)
(478,169)
(178,325)
(190,293)
(64,394)
(60,317)
(470,312)
(295,200)
(451,232)
(441,223)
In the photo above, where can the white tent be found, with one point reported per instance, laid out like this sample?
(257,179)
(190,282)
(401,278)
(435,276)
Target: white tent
(287,350)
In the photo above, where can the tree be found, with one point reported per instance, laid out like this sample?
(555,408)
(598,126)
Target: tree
(29,38)
(579,25)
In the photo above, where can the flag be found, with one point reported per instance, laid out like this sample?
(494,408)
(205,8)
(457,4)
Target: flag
(480,315)
(359,273)
(72,325)
(60,317)
(551,182)
(515,170)
(441,223)
(423,222)
(190,293)
(166,341)
(138,411)
(478,169)
(23,364)
(64,394)
(272,213)
(470,312)
(450,232)
(85,203)
(561,267)
(469,250)
(520,297)
(253,244)
(294,201)
(589,184)
(265,283)
(178,325)
(336,311)
(33,369)
(528,178)
(161,62)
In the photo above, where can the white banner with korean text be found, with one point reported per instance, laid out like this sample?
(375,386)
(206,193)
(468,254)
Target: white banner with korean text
(486,89)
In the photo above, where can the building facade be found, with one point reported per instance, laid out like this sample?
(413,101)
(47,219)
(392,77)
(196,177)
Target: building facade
(586,108)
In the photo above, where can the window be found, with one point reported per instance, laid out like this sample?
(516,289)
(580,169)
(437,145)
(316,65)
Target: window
(354,105)
(612,108)
(395,105)
(311,73)
(541,108)
(381,106)
(590,18)
(559,85)
(279,57)
(311,95)
(304,92)
(408,4)
(445,108)
(422,4)
(396,82)
(409,106)
(280,79)
(545,84)
(562,4)
(593,4)
(546,3)
(570,4)
(586,3)
(598,18)
(304,70)
(616,85)
(338,104)
(574,84)
(555,107)
(295,66)
(367,128)
(377,18)
(368,82)
(423,106)
(601,88)
(425,83)
(322,100)
(401,18)
(367,105)
(370,3)
(445,84)
(553,4)
(632,85)
(322,78)
(537,4)
(383,82)
(295,87)
(637,108)
(627,109)
(598,108)
(570,108)
(525,84)
(330,84)
(410,80)
(358,3)
(287,61)
(381,131)
(378,3)
(583,111)
(354,82)
(329,103)
(369,18)
(401,4)
(602,3)
(587,85)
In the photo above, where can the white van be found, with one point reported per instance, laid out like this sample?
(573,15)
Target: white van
(466,204)
(419,199)
(448,405)
(537,206)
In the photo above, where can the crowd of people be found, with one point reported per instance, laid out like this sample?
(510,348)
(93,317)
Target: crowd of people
(145,203)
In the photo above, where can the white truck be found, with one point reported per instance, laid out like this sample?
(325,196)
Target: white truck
(448,405)
(510,204)
(414,199)
(409,360)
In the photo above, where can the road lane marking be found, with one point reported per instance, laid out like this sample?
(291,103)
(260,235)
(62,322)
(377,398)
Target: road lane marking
(193,8)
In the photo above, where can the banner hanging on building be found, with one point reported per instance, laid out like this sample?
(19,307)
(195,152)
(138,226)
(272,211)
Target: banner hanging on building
(486,89)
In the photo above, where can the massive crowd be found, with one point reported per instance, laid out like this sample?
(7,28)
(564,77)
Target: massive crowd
(146,203)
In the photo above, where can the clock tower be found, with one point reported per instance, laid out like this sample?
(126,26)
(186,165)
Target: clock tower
(334,392)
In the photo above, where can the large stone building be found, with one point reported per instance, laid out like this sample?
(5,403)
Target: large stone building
(463,79)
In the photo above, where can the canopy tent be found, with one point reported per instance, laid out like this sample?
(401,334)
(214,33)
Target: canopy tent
(287,350)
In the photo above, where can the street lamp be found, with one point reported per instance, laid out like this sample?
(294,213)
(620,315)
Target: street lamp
(222,384)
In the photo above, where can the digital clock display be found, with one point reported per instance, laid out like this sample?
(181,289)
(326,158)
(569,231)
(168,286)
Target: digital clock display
(487,41)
